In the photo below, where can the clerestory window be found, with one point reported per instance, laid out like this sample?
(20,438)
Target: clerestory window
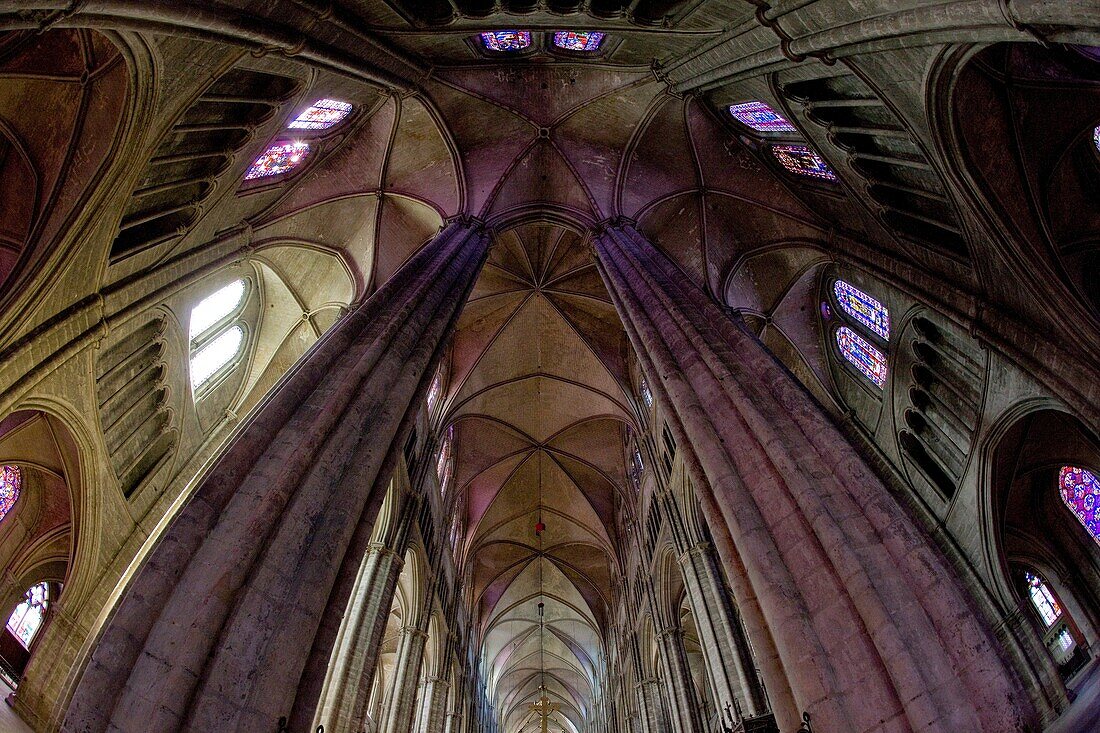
(216,334)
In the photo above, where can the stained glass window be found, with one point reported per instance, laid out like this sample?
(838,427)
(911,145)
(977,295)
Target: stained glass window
(444,464)
(322,115)
(435,390)
(1042,599)
(862,307)
(27,617)
(206,362)
(1065,640)
(278,159)
(11,480)
(761,117)
(647,396)
(1096,137)
(803,161)
(1080,490)
(579,40)
(637,467)
(506,40)
(215,307)
(863,356)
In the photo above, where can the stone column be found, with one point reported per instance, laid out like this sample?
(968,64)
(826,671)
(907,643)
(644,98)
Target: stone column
(433,700)
(873,631)
(401,709)
(216,627)
(731,669)
(651,707)
(684,708)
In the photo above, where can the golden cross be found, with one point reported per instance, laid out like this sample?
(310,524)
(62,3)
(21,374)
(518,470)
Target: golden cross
(544,707)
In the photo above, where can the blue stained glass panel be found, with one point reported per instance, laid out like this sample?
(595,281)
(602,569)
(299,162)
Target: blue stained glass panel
(862,355)
(803,161)
(1080,490)
(10,482)
(862,307)
(579,40)
(1096,137)
(761,117)
(506,40)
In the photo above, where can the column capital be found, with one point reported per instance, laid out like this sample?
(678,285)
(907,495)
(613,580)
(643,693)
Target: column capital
(699,549)
(614,222)
(413,631)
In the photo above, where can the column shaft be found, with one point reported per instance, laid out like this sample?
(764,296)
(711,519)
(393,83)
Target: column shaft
(683,703)
(731,669)
(401,707)
(215,629)
(872,629)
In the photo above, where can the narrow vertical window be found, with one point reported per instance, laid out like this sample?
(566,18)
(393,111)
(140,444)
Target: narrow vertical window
(1080,492)
(216,340)
(27,618)
(637,467)
(863,308)
(209,360)
(647,396)
(862,355)
(11,480)
(1043,600)
(215,307)
(435,390)
(444,464)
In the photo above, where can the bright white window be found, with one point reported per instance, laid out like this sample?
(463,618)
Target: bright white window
(215,307)
(208,360)
(216,333)
(27,617)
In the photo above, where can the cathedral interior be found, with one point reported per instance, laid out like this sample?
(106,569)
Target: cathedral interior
(550,366)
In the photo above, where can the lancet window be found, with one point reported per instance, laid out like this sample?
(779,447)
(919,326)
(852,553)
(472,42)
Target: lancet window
(1080,492)
(27,618)
(863,308)
(11,481)
(862,355)
(863,313)
(1044,601)
(444,466)
(217,338)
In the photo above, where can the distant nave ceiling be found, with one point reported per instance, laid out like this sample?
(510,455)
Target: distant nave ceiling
(541,147)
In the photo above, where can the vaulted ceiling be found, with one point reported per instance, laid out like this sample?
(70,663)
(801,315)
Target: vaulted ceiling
(543,146)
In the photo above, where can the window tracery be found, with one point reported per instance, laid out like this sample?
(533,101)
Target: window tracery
(862,355)
(1080,492)
(216,341)
(27,618)
(760,117)
(863,308)
(506,41)
(1044,601)
(278,159)
(11,480)
(322,114)
(586,41)
(803,160)
(444,466)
